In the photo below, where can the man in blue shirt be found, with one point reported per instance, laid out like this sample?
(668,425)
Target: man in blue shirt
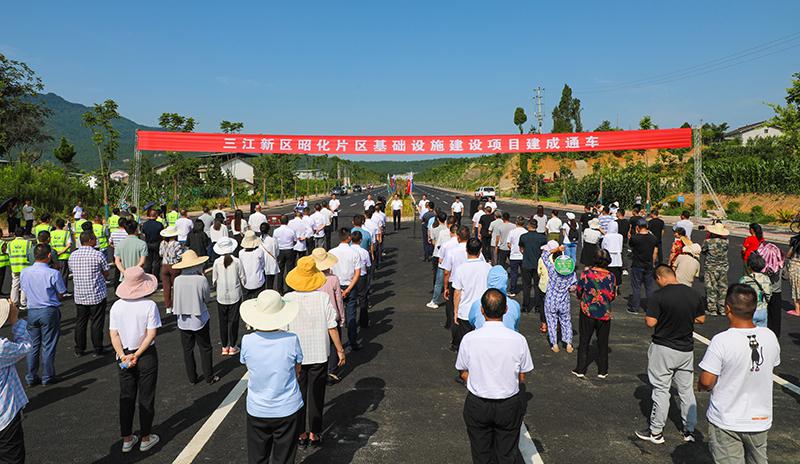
(12,395)
(366,237)
(497,279)
(45,288)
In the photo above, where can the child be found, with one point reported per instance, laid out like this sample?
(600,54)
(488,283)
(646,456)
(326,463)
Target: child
(556,301)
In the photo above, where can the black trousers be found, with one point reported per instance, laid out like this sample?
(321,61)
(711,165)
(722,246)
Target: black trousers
(229,323)
(328,233)
(502,257)
(95,313)
(285,264)
(617,271)
(586,327)
(152,262)
(493,428)
(362,287)
(272,441)
(270,284)
(335,223)
(396,218)
(529,278)
(28,227)
(448,309)
(486,246)
(459,330)
(202,338)
(12,442)
(3,277)
(458,217)
(774,313)
(250,293)
(138,382)
(313,378)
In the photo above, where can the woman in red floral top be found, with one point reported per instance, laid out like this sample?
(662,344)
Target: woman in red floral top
(596,289)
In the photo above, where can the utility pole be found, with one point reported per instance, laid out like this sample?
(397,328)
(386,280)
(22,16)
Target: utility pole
(539,114)
(698,171)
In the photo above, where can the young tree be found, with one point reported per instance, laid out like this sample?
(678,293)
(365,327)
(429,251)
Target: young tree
(646,123)
(21,116)
(179,166)
(567,115)
(65,152)
(105,138)
(520,118)
(229,127)
(787,118)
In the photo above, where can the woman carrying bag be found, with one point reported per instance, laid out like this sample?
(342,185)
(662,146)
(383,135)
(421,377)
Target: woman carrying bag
(227,274)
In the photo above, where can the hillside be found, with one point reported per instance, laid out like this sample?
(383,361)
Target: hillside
(66,121)
(401,167)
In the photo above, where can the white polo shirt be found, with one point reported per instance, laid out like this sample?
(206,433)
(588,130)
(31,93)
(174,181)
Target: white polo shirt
(457,207)
(455,254)
(494,356)
(513,242)
(363,255)
(348,262)
(285,236)
(318,219)
(371,226)
(368,203)
(333,205)
(255,220)
(470,279)
(302,231)
(327,214)
(554,225)
(477,217)
(397,205)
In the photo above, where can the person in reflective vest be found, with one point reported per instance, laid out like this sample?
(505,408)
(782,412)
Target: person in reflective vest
(101,232)
(61,242)
(133,210)
(20,256)
(76,231)
(113,220)
(4,260)
(172,218)
(43,225)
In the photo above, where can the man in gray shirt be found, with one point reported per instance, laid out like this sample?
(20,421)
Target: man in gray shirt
(502,250)
(132,251)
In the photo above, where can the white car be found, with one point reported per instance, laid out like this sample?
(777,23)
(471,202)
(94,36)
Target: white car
(485,192)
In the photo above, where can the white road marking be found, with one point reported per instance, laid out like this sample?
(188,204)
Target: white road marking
(775,378)
(353,204)
(527,448)
(202,436)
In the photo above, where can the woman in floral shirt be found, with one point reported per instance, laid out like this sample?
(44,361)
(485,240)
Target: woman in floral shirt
(556,300)
(596,289)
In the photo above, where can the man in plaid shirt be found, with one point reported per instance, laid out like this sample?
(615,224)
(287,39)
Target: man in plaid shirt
(89,273)
(12,395)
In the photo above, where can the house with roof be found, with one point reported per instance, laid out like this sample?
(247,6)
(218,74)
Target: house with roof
(753,131)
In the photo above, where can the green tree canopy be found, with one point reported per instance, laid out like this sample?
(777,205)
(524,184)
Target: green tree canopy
(520,118)
(229,127)
(567,114)
(787,118)
(21,116)
(65,152)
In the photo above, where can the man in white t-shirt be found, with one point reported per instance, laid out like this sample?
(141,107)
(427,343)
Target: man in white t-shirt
(685,223)
(184,226)
(302,232)
(422,206)
(737,370)
(77,212)
(397,211)
(476,221)
(515,254)
(333,205)
(457,209)
(554,227)
(318,226)
(446,235)
(255,220)
(494,230)
(491,204)
(368,202)
(348,270)
(469,283)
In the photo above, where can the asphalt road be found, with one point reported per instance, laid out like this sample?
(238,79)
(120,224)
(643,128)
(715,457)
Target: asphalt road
(398,401)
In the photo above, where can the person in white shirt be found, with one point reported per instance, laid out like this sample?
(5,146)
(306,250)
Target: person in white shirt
(737,370)
(515,256)
(227,274)
(469,283)
(328,215)
(491,204)
(541,220)
(220,210)
(685,223)
(271,252)
(612,242)
(397,211)
(251,256)
(493,361)
(302,232)
(318,226)
(554,227)
(333,205)
(77,212)
(369,202)
(217,231)
(446,234)
(348,270)
(184,225)
(422,206)
(476,221)
(457,209)
(207,219)
(364,279)
(453,256)
(285,238)
(256,219)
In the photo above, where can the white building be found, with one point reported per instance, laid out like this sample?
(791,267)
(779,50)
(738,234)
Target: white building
(752,131)
(236,165)
(310,174)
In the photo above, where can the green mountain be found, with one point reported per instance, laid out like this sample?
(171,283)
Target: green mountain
(66,121)
(402,167)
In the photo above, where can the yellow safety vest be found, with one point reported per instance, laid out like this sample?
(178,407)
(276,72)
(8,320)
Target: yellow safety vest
(58,240)
(100,233)
(4,260)
(18,254)
(40,227)
(135,218)
(79,226)
(162,221)
(172,218)
(113,222)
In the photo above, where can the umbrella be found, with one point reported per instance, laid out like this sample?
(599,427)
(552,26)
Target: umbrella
(149,205)
(4,205)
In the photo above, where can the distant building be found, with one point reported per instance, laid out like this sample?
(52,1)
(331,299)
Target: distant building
(752,131)
(312,174)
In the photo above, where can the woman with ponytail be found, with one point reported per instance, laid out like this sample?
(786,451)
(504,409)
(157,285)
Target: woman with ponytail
(228,274)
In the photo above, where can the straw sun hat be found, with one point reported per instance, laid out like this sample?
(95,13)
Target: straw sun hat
(189,259)
(136,284)
(305,277)
(250,240)
(324,259)
(5,309)
(269,311)
(718,229)
(169,232)
(594,223)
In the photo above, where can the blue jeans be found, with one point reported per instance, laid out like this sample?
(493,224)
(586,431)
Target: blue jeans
(438,287)
(350,309)
(514,267)
(640,276)
(44,326)
(571,250)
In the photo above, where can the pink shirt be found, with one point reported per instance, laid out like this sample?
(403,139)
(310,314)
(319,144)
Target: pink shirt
(333,289)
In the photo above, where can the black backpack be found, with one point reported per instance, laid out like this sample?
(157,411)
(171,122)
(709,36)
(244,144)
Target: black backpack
(573,234)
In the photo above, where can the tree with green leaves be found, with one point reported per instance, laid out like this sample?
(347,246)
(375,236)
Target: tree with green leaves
(714,133)
(22,117)
(179,166)
(229,127)
(567,114)
(520,118)
(105,138)
(606,126)
(65,152)
(787,118)
(646,123)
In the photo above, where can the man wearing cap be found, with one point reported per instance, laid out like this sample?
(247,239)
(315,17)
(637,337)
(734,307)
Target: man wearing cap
(12,440)
(274,359)
(643,246)
(348,270)
(315,326)
(715,249)
(89,273)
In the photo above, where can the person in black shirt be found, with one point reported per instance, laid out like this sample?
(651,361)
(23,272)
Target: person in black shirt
(672,312)
(483,232)
(151,229)
(530,244)
(587,216)
(656,226)
(623,226)
(643,246)
(427,246)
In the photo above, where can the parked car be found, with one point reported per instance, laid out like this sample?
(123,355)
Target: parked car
(485,192)
(338,191)
(357,188)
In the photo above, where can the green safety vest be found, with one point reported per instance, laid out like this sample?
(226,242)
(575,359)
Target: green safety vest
(135,218)
(4,260)
(162,221)
(172,218)
(18,254)
(113,222)
(58,240)
(40,227)
(79,226)
(100,233)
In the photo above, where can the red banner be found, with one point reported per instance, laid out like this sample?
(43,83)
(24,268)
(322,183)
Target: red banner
(413,145)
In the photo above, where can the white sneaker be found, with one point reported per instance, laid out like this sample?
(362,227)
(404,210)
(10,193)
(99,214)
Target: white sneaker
(128,446)
(624,272)
(169,310)
(153,441)
(432,305)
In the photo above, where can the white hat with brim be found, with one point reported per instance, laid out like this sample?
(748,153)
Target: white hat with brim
(250,240)
(5,310)
(550,246)
(169,232)
(189,259)
(570,215)
(594,224)
(225,246)
(268,311)
(136,284)
(718,229)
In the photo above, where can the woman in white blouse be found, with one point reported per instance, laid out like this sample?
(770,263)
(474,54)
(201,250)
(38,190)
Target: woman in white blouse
(251,257)
(227,275)
(217,231)
(238,226)
(270,247)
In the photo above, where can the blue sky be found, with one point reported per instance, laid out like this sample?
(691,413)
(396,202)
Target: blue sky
(411,67)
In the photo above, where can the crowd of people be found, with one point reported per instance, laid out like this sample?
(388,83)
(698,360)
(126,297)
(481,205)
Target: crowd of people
(306,304)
